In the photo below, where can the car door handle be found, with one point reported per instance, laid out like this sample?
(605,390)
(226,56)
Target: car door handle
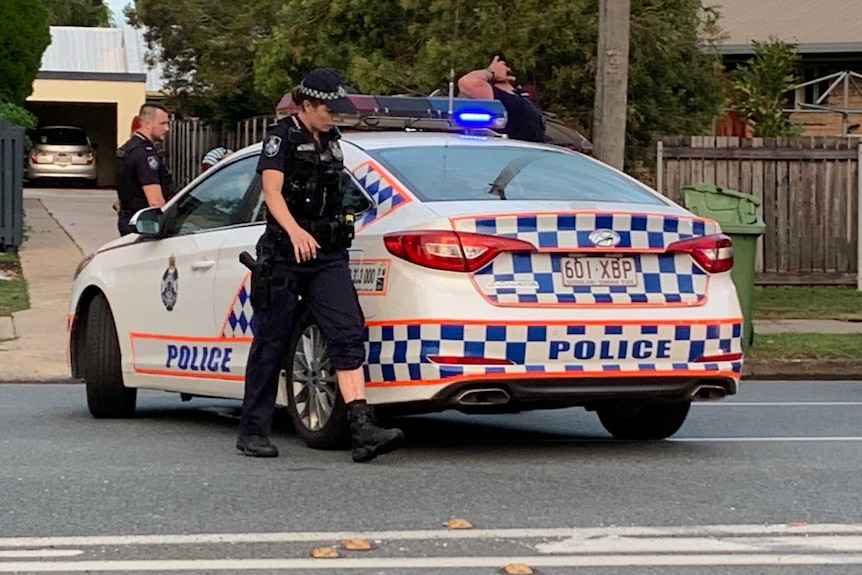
(202,265)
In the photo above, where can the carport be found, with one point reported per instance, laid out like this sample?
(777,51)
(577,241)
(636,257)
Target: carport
(98,119)
(96,79)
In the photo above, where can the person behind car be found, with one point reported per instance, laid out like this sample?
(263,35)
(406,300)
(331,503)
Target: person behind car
(303,252)
(525,121)
(142,177)
(213,157)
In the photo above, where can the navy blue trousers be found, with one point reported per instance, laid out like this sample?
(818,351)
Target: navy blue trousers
(325,285)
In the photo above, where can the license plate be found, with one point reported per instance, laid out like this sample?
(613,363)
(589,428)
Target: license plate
(599,272)
(62,159)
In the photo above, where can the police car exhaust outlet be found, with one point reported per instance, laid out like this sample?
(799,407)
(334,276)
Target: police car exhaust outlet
(484,396)
(707,393)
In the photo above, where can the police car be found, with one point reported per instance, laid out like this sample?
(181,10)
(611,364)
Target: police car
(494,275)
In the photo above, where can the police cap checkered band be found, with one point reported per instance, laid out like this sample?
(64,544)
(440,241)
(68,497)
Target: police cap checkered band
(324,84)
(340,92)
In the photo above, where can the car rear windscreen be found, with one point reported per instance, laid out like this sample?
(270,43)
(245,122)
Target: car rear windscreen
(61,137)
(457,173)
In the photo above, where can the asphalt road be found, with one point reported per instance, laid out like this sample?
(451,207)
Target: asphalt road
(753,484)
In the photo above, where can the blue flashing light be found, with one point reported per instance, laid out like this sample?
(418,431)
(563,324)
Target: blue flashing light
(470,119)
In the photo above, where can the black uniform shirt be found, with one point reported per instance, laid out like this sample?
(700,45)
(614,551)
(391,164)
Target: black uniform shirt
(274,155)
(524,118)
(142,166)
(283,153)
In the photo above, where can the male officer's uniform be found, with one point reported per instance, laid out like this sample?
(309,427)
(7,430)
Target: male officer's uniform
(314,184)
(138,164)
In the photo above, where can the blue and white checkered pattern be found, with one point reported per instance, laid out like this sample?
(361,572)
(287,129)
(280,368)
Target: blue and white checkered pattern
(522,278)
(238,321)
(386,197)
(400,353)
(572,230)
(536,278)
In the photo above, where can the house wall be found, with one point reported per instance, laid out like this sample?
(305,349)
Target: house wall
(103,108)
(128,96)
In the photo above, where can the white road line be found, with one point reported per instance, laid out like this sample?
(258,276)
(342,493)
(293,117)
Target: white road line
(777,403)
(36,553)
(426,563)
(760,439)
(834,529)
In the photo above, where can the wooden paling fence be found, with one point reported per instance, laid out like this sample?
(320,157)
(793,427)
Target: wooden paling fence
(189,140)
(809,188)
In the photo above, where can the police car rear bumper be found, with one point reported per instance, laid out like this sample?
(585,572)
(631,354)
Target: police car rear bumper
(517,394)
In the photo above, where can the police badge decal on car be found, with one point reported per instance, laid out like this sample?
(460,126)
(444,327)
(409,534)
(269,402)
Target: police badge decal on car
(170,281)
(271,146)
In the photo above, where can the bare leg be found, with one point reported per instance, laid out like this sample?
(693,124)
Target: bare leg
(351,383)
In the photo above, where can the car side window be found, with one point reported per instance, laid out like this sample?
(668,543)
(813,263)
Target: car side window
(355,199)
(216,202)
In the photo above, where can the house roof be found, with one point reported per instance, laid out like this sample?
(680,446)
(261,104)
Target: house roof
(99,53)
(815,27)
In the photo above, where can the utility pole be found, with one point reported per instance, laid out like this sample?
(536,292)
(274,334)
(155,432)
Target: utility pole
(612,77)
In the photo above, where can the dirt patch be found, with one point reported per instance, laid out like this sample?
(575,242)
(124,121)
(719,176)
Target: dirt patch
(10,270)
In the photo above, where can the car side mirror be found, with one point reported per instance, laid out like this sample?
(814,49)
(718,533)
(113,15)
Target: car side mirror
(147,222)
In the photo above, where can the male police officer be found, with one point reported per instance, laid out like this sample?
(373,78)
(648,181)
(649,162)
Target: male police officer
(525,120)
(303,252)
(142,178)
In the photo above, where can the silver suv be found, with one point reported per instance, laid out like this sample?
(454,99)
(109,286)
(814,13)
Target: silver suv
(61,152)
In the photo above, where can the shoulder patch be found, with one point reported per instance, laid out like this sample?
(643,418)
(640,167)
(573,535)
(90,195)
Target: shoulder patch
(335,148)
(271,146)
(153,162)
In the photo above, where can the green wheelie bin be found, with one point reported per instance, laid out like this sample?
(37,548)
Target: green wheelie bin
(736,213)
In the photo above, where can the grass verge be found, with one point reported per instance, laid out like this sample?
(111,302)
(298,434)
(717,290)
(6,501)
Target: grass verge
(806,346)
(13,291)
(807,302)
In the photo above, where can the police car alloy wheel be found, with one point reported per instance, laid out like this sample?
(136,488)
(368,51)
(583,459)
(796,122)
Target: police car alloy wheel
(314,403)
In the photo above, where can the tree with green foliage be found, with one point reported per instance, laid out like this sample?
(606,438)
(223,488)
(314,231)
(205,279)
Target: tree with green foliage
(760,88)
(409,46)
(228,60)
(89,13)
(24,29)
(205,50)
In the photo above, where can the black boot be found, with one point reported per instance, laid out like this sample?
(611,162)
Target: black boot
(256,446)
(367,439)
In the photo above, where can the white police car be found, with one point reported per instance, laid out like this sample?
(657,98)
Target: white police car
(494,275)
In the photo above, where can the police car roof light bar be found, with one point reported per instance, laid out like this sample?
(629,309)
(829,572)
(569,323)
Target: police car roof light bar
(407,112)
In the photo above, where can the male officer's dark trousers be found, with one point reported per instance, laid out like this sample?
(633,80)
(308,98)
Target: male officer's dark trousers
(326,287)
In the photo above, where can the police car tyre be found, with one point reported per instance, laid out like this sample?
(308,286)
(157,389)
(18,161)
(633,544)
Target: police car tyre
(332,431)
(107,397)
(644,422)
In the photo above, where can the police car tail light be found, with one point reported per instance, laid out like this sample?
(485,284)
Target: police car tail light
(451,251)
(713,253)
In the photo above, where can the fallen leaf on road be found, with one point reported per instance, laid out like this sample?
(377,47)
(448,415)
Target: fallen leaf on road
(516,569)
(458,524)
(324,553)
(357,545)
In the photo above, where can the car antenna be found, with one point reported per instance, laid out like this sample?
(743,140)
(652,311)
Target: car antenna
(452,67)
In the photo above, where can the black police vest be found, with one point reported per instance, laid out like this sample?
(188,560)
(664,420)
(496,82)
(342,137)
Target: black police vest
(129,189)
(313,187)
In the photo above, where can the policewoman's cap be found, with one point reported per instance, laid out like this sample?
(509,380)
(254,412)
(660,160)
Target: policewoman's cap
(324,84)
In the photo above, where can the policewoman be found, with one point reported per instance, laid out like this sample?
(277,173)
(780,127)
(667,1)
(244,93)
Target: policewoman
(142,177)
(304,253)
